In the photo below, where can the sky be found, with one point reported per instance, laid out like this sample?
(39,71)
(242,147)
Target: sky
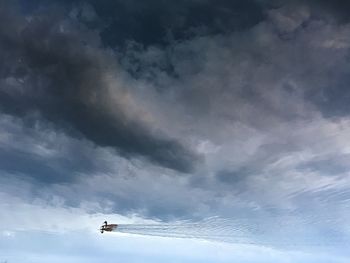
(162,111)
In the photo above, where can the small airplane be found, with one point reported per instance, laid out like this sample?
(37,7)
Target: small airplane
(108,227)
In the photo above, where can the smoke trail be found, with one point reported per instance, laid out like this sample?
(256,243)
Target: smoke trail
(286,233)
(212,228)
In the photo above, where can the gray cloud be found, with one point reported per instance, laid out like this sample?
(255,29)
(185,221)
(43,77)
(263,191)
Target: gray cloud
(233,177)
(263,99)
(255,102)
(158,22)
(52,67)
(45,155)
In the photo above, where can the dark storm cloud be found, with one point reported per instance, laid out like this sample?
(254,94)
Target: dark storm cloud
(158,21)
(51,67)
(338,9)
(235,83)
(304,42)
(48,170)
(24,164)
(44,155)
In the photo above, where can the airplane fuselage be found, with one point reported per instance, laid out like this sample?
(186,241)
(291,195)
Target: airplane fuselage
(108,227)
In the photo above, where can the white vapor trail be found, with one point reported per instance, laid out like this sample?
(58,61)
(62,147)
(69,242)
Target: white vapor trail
(239,231)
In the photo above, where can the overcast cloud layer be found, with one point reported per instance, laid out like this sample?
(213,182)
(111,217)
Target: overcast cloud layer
(169,110)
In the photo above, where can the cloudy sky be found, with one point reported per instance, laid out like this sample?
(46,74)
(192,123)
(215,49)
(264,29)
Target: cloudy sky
(159,111)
